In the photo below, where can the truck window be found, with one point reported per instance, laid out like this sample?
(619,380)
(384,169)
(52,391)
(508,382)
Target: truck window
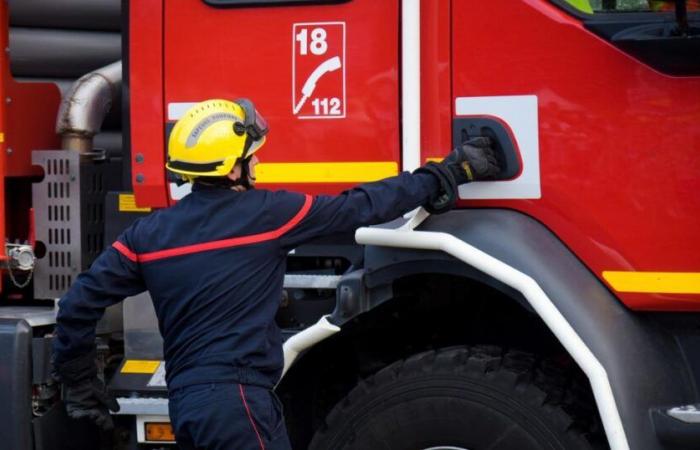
(605,6)
(663,34)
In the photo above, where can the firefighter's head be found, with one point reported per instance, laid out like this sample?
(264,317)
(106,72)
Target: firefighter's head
(217,140)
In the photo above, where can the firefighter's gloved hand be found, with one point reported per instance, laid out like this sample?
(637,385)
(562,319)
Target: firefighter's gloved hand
(90,400)
(474,160)
(445,197)
(84,394)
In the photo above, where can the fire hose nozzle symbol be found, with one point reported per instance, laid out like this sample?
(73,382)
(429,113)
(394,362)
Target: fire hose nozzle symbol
(325,67)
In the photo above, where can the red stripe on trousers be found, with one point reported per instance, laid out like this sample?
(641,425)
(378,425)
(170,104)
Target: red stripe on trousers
(250,417)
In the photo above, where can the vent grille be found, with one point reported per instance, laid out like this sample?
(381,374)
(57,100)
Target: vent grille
(56,203)
(94,191)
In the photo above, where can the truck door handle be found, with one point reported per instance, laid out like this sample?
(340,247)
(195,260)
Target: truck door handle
(505,145)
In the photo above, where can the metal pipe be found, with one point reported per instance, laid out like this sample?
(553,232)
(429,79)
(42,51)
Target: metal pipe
(72,14)
(535,296)
(85,106)
(306,339)
(50,53)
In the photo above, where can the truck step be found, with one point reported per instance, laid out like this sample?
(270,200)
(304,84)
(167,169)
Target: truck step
(311,281)
(686,413)
(678,427)
(143,406)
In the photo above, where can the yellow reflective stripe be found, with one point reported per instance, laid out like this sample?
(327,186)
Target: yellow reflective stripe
(325,172)
(127,203)
(437,160)
(654,282)
(140,366)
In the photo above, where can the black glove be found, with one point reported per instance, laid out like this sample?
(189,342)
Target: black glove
(444,198)
(90,400)
(84,394)
(474,160)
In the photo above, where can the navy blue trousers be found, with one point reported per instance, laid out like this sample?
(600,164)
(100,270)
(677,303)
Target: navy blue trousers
(227,416)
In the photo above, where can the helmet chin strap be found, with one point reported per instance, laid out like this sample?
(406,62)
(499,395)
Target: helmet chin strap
(246,177)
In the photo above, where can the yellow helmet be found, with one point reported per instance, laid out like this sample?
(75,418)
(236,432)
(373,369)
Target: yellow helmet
(212,135)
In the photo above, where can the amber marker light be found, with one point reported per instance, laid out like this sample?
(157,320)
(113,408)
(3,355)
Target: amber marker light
(159,431)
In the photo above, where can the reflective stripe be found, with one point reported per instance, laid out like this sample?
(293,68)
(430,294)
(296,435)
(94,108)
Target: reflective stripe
(654,282)
(127,203)
(325,172)
(124,250)
(216,245)
(250,417)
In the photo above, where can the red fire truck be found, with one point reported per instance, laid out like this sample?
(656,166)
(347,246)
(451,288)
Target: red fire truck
(556,307)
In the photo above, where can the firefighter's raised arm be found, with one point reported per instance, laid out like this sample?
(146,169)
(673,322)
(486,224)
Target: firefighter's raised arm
(433,186)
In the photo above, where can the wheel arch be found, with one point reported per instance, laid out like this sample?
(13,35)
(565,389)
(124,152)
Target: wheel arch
(624,349)
(628,345)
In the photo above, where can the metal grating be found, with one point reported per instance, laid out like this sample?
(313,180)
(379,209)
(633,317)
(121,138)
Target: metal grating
(56,203)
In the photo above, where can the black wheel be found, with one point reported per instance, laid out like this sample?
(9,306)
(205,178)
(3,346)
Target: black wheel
(457,398)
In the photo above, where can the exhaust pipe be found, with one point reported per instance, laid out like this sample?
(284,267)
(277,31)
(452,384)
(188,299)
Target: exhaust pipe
(85,106)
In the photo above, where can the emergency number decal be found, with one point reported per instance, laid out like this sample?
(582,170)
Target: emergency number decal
(318,70)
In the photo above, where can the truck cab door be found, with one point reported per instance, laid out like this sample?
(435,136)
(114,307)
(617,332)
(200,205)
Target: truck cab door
(325,74)
(609,122)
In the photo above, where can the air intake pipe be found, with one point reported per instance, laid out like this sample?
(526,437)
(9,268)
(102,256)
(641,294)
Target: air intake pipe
(85,106)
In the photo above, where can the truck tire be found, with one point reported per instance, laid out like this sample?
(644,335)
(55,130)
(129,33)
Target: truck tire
(457,398)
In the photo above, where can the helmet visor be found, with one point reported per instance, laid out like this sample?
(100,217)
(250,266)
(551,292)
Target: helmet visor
(255,123)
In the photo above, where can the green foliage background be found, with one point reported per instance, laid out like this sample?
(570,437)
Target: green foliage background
(621,5)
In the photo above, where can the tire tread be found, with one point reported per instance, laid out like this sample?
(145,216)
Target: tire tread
(547,384)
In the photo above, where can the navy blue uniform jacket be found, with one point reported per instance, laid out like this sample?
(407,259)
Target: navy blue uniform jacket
(214,265)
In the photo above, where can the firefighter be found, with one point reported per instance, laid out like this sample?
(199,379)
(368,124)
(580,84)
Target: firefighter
(214,265)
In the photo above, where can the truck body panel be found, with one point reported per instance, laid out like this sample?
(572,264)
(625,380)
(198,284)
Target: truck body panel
(598,207)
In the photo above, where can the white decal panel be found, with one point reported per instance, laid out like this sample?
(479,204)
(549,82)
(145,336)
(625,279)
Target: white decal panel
(177,109)
(520,113)
(318,70)
(179,192)
(158,378)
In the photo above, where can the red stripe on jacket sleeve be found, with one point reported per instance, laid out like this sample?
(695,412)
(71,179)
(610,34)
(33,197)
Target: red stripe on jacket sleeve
(231,242)
(298,217)
(124,250)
